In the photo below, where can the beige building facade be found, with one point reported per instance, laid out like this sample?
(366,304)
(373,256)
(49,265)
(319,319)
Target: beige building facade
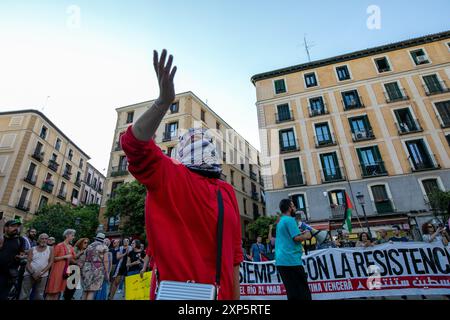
(374,122)
(240,160)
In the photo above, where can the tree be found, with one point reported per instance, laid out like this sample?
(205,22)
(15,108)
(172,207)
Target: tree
(439,201)
(260,227)
(129,204)
(54,219)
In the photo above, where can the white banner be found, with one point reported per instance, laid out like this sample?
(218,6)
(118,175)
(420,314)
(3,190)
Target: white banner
(412,268)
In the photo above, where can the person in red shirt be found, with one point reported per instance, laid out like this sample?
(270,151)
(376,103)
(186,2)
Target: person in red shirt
(181,207)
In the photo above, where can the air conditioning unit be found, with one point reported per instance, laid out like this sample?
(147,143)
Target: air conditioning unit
(421,59)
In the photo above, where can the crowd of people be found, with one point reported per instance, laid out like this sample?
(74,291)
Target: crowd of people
(34,267)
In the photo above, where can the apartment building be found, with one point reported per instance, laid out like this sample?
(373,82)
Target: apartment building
(92,186)
(240,160)
(374,123)
(39,164)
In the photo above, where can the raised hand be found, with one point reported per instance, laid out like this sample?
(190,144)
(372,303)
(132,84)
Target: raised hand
(165,74)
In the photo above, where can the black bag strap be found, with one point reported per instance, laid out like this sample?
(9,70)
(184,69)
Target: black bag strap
(219,238)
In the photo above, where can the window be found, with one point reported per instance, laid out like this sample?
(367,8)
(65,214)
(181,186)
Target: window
(448,139)
(380,197)
(255,211)
(68,170)
(217,125)
(419,57)
(70,154)
(242,164)
(58,144)
(323,135)
(287,140)
(88,180)
(382,65)
(293,176)
(232,177)
(337,203)
(91,199)
(31,177)
(351,100)
(113,223)
(310,80)
(38,149)
(203,115)
(393,92)
(343,73)
(54,157)
(174,107)
(283,113)
(280,86)
(243,183)
(371,162)
(300,204)
(62,189)
(419,156)
(330,167)
(123,163)
(23,203)
(171,131)
(170,151)
(85,198)
(244,201)
(433,85)
(130,116)
(81,163)
(430,185)
(42,202)
(74,195)
(78,179)
(361,128)
(443,109)
(43,133)
(317,107)
(405,121)
(114,186)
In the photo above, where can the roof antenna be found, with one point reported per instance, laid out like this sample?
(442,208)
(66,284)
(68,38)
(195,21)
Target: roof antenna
(45,104)
(307,47)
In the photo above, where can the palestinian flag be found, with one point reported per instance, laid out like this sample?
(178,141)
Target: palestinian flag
(347,214)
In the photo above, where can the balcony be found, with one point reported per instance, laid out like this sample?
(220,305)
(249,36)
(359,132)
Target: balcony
(326,140)
(284,117)
(332,175)
(255,196)
(30,178)
(38,155)
(354,104)
(423,165)
(78,183)
(67,174)
(169,136)
(314,111)
(62,195)
(384,206)
(406,128)
(437,88)
(363,135)
(119,171)
(253,176)
(48,186)
(261,181)
(23,205)
(399,95)
(373,170)
(294,180)
(337,211)
(291,148)
(445,121)
(117,146)
(53,165)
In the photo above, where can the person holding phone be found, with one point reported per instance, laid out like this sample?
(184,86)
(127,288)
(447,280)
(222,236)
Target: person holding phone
(434,235)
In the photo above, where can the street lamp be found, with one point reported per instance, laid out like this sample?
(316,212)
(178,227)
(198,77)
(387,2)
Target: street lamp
(360,198)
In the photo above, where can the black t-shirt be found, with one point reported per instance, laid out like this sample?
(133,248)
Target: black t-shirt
(114,255)
(134,256)
(11,248)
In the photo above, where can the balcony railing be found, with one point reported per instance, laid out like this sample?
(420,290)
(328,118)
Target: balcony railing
(396,96)
(423,166)
(373,170)
(30,178)
(284,116)
(261,181)
(291,148)
(38,155)
(337,211)
(119,171)
(117,146)
(384,206)
(405,128)
(437,88)
(363,135)
(255,196)
(253,176)
(354,104)
(445,121)
(23,205)
(62,195)
(325,140)
(332,175)
(53,165)
(78,182)
(314,112)
(169,136)
(67,175)
(295,180)
(47,187)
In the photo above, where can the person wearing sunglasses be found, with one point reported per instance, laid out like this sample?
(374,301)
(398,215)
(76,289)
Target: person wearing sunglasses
(433,235)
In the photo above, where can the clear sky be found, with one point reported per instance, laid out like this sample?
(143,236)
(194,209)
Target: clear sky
(103,60)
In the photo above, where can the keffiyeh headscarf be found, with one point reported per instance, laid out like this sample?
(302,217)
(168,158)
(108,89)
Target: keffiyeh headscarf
(198,153)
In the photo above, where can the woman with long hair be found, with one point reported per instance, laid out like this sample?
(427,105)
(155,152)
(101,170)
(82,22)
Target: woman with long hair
(79,248)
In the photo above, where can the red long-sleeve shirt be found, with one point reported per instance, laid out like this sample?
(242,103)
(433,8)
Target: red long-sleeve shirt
(181,212)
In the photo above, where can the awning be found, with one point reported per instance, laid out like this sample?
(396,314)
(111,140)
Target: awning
(373,221)
(320,225)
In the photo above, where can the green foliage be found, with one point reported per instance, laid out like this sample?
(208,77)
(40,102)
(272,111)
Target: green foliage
(129,204)
(54,219)
(439,202)
(260,227)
